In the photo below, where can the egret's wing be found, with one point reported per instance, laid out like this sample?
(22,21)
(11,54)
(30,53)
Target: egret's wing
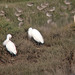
(5,42)
(11,47)
(37,35)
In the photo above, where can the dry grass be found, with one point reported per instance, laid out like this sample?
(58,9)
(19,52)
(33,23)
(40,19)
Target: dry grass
(51,58)
(55,57)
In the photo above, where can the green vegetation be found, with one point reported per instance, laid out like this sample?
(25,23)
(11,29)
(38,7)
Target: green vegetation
(56,56)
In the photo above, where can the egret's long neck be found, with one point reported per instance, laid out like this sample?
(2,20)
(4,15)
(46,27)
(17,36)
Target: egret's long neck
(7,38)
(6,41)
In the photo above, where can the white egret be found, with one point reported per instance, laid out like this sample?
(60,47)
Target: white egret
(36,35)
(10,46)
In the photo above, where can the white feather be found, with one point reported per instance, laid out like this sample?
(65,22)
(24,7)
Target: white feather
(30,32)
(10,46)
(36,35)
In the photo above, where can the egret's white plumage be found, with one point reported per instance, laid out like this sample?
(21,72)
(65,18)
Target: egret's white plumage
(36,35)
(10,45)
